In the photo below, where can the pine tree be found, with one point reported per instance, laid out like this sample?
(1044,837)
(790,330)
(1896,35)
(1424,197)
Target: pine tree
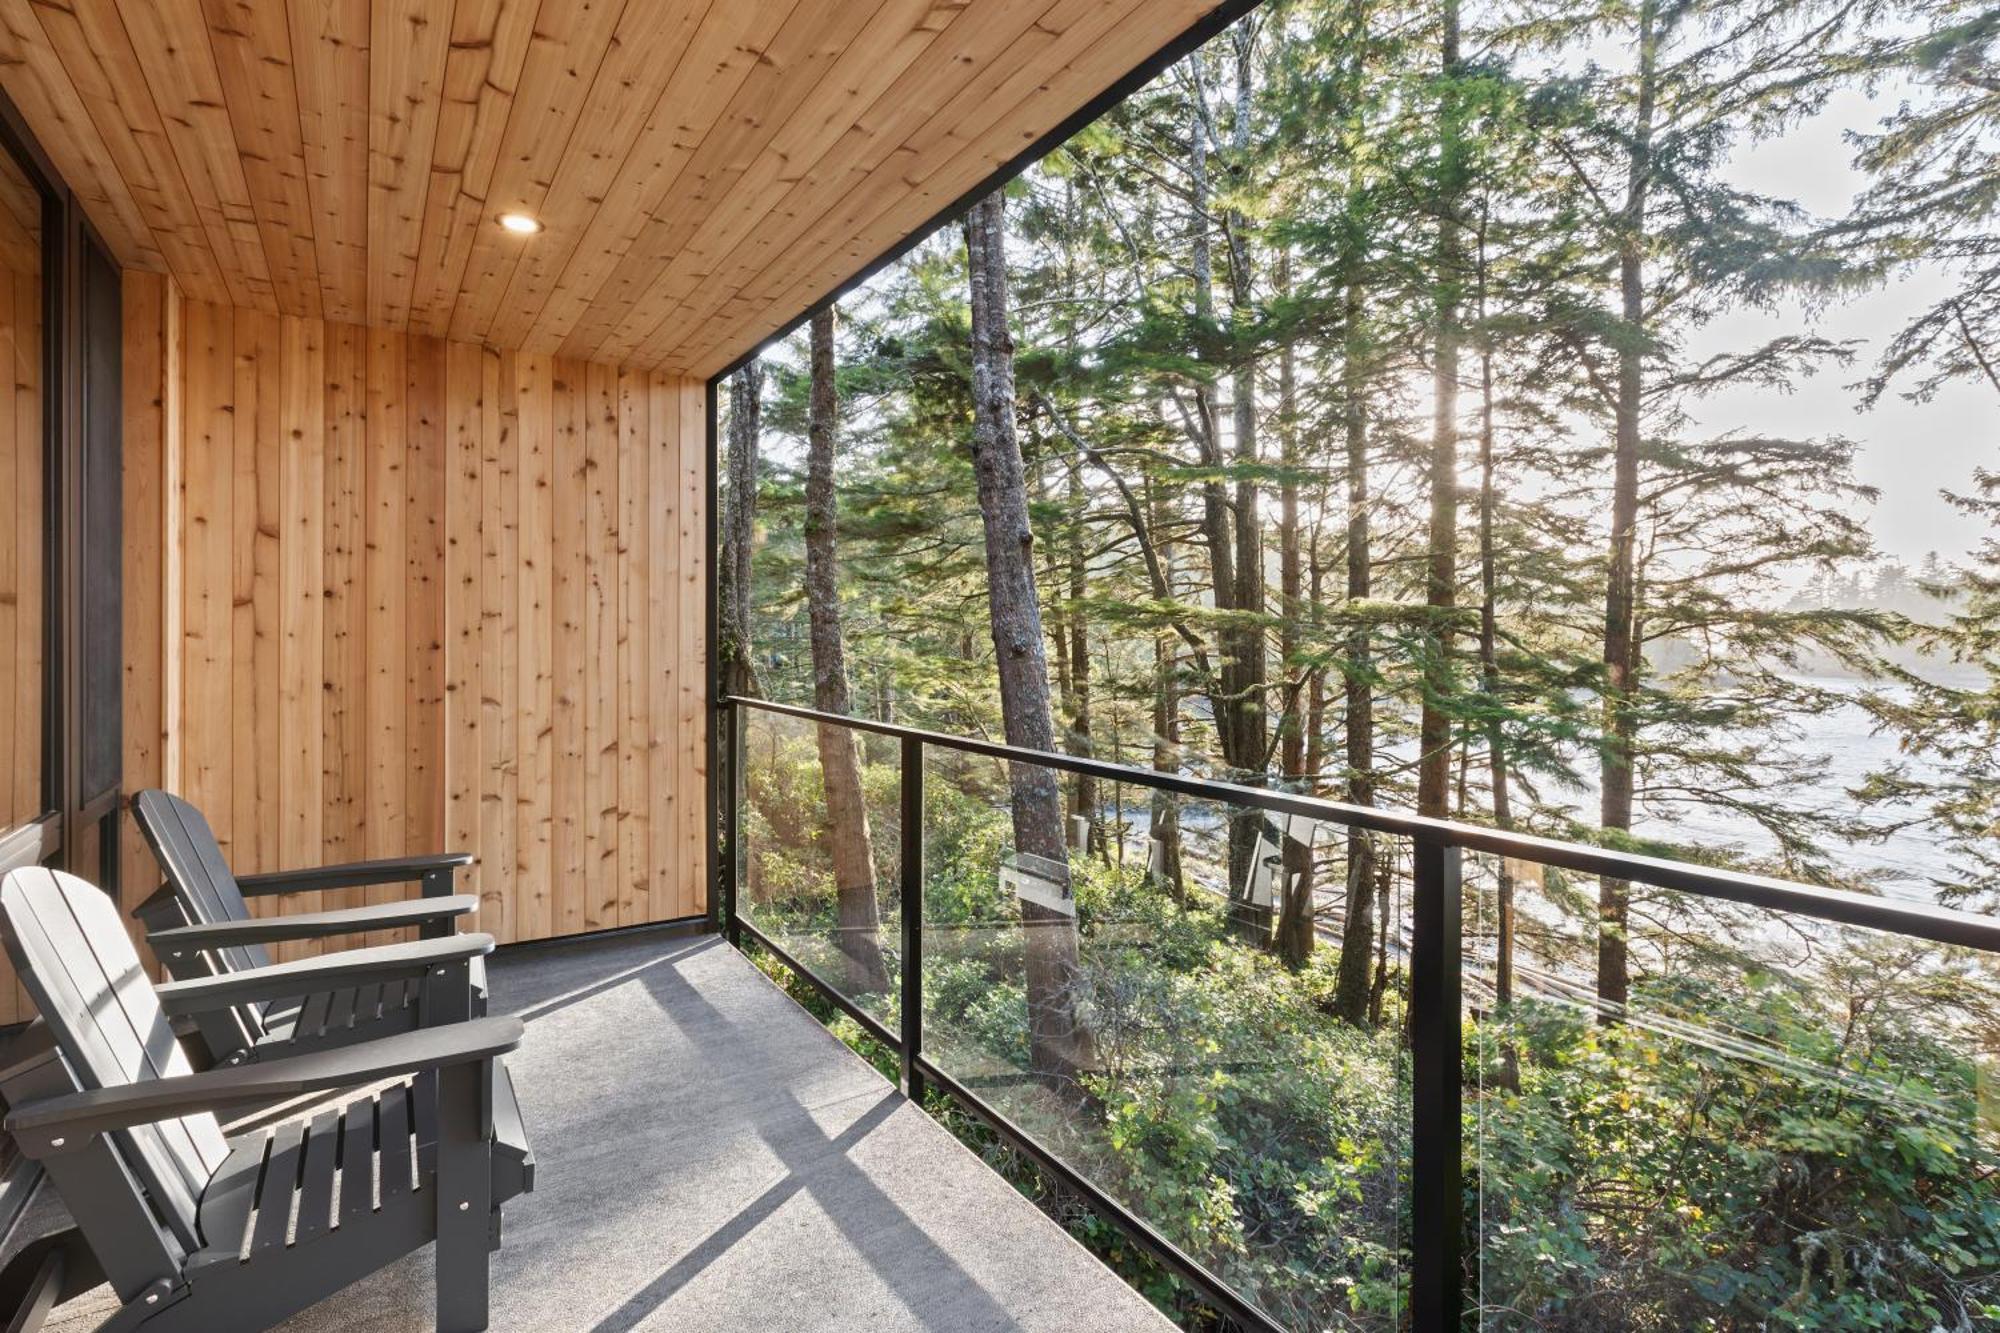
(1935,195)
(1935,191)
(1640,153)
(1058,1042)
(859,923)
(1441,571)
(739,524)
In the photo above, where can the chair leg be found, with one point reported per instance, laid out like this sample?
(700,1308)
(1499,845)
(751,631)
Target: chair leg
(464,1197)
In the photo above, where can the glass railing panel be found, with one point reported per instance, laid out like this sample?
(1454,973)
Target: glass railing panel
(1786,1124)
(818,871)
(1100,968)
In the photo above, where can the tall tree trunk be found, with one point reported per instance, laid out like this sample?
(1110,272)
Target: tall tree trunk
(1316,700)
(860,924)
(1166,819)
(1216,530)
(739,525)
(1508,1076)
(1353,987)
(1316,705)
(1441,582)
(1621,647)
(1295,917)
(1085,789)
(1058,1044)
(1489,668)
(1052,573)
(1246,665)
(1385,882)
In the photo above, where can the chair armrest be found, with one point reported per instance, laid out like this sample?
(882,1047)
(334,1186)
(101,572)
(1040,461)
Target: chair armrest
(308,976)
(59,1124)
(352,874)
(312,925)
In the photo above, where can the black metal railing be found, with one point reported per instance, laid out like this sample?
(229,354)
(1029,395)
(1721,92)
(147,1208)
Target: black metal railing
(1433,954)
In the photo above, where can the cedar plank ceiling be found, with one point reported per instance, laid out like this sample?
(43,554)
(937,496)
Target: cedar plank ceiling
(706,169)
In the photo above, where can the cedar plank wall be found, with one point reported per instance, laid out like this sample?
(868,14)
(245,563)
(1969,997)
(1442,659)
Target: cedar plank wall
(388,594)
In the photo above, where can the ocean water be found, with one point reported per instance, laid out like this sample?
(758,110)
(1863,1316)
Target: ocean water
(1844,748)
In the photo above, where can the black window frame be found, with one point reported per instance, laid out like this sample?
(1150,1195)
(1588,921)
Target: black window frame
(82,434)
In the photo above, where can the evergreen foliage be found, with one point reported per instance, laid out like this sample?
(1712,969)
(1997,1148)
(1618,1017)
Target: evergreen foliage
(1362,451)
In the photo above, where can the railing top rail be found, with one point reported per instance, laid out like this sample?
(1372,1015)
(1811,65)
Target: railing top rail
(1919,920)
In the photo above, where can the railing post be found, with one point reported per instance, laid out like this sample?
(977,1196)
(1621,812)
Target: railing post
(731,788)
(910,891)
(1436,1056)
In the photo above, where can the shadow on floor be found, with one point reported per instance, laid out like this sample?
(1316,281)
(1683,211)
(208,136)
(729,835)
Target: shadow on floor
(711,1158)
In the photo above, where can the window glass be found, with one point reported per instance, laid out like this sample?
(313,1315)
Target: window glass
(23,613)
(100,750)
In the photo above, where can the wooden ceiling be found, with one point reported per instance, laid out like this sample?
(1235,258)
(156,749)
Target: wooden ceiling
(705,169)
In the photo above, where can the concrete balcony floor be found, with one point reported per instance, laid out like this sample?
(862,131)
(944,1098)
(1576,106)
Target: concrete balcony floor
(711,1158)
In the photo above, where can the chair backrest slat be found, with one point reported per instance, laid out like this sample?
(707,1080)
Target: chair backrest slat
(73,955)
(187,850)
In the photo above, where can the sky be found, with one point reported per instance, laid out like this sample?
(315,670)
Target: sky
(1909,451)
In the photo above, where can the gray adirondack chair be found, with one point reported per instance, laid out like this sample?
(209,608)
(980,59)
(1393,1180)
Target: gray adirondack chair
(201,1232)
(199,925)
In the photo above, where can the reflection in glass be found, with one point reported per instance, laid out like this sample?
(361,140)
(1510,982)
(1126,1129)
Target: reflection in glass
(819,868)
(1784,1120)
(1207,1087)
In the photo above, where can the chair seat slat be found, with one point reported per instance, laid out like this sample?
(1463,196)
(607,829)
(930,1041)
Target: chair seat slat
(424,1105)
(279,1017)
(340,1010)
(316,1176)
(312,1018)
(278,1188)
(357,1162)
(393,1136)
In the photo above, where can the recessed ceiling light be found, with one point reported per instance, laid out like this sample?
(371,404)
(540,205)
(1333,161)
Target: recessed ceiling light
(520,224)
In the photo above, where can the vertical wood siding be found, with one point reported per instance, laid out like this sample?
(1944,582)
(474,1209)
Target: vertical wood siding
(388,594)
(22,623)
(151,593)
